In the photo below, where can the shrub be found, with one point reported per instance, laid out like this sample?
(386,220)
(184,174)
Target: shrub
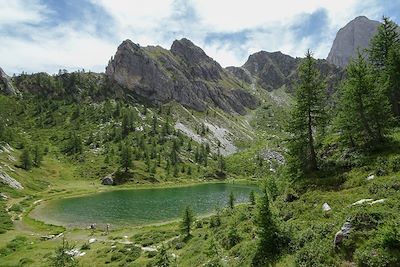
(372,256)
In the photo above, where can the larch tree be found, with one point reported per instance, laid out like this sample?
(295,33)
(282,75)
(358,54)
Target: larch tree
(384,55)
(307,118)
(364,111)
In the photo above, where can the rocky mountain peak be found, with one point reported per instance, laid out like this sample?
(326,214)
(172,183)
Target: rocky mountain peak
(5,84)
(355,35)
(184,74)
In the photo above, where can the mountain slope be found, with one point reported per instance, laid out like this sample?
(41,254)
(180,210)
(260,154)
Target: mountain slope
(184,74)
(271,71)
(355,35)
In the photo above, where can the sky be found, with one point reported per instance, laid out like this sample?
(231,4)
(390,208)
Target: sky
(48,35)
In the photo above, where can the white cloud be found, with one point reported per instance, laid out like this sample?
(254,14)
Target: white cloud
(38,46)
(19,11)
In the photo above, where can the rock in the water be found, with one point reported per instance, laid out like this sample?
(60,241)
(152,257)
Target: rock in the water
(108,180)
(342,233)
(355,35)
(8,180)
(326,207)
(5,84)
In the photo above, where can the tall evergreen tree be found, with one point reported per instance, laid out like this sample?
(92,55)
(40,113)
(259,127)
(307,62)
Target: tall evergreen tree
(384,55)
(37,156)
(26,159)
(187,221)
(307,117)
(126,157)
(270,244)
(382,43)
(364,110)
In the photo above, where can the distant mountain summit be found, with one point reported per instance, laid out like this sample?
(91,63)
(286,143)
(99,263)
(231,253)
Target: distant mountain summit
(356,34)
(184,74)
(273,70)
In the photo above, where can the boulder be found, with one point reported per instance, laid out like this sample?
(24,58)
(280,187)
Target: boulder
(342,233)
(362,201)
(326,207)
(370,177)
(108,180)
(377,201)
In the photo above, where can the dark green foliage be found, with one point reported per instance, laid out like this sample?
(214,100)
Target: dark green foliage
(231,201)
(26,159)
(126,157)
(187,221)
(270,244)
(252,198)
(5,220)
(61,258)
(381,44)
(307,118)
(163,259)
(364,112)
(74,145)
(37,156)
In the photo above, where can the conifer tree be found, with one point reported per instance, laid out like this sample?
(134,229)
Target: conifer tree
(364,111)
(26,160)
(269,246)
(37,156)
(126,157)
(231,201)
(307,118)
(381,44)
(384,54)
(162,259)
(187,221)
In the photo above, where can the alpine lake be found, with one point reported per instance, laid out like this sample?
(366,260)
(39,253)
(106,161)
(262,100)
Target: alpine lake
(139,206)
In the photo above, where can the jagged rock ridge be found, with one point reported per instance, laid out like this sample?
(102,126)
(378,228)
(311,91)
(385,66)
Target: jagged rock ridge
(184,74)
(355,35)
(5,84)
(272,70)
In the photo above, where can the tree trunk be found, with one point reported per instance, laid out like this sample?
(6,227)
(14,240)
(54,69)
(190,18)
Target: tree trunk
(313,157)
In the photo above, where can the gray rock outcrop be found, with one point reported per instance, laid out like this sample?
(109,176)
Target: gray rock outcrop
(5,84)
(184,74)
(342,233)
(355,35)
(271,71)
(108,180)
(8,180)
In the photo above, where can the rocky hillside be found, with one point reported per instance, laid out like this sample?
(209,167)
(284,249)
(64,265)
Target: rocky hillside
(184,74)
(5,84)
(355,35)
(271,71)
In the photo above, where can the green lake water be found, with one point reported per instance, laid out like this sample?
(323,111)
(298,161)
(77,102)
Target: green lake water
(139,206)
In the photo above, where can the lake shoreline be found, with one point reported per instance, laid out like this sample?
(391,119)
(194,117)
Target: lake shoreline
(34,213)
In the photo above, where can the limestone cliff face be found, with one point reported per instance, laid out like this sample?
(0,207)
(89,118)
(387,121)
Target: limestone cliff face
(184,74)
(355,35)
(271,71)
(5,85)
